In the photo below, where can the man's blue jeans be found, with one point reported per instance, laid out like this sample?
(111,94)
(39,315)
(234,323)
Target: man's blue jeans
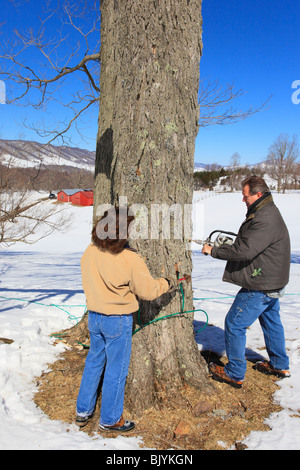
(110,349)
(246,308)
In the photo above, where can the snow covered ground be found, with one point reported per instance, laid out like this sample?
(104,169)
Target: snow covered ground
(48,274)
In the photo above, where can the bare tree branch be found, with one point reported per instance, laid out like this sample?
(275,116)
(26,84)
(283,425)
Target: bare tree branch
(213,98)
(281,160)
(24,216)
(65,130)
(53,61)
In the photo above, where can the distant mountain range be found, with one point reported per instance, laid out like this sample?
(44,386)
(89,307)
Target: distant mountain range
(207,166)
(200,166)
(26,154)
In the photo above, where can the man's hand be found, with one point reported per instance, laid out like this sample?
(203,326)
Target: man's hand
(206,250)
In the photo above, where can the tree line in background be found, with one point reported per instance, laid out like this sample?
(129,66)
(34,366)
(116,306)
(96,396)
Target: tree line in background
(48,179)
(281,166)
(21,216)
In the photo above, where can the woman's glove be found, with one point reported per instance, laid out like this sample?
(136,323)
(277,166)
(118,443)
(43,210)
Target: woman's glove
(172,283)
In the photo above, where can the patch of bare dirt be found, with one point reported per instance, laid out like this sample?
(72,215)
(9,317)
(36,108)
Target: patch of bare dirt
(188,420)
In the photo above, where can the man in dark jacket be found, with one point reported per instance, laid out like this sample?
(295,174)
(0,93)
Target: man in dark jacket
(259,262)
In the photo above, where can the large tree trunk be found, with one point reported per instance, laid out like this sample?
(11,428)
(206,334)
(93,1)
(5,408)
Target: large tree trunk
(148,122)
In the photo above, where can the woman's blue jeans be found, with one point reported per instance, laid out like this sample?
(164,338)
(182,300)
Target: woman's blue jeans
(110,350)
(246,308)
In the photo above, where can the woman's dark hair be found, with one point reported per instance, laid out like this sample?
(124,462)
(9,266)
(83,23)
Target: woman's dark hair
(256,185)
(110,233)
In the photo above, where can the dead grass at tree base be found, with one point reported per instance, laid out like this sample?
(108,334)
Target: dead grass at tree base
(188,420)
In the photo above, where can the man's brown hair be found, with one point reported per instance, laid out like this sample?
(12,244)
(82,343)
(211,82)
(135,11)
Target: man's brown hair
(256,185)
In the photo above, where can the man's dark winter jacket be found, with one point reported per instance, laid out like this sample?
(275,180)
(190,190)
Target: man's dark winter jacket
(259,259)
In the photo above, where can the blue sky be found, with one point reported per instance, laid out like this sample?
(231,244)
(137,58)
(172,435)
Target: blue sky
(252,44)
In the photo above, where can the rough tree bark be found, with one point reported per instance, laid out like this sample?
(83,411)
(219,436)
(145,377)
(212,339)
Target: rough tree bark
(148,122)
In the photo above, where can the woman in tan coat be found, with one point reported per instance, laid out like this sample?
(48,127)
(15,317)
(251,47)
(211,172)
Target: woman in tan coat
(113,276)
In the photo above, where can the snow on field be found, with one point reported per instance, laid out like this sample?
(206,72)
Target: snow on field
(48,274)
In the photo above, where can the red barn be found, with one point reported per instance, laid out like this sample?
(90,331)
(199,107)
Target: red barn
(64,195)
(85,197)
(80,197)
